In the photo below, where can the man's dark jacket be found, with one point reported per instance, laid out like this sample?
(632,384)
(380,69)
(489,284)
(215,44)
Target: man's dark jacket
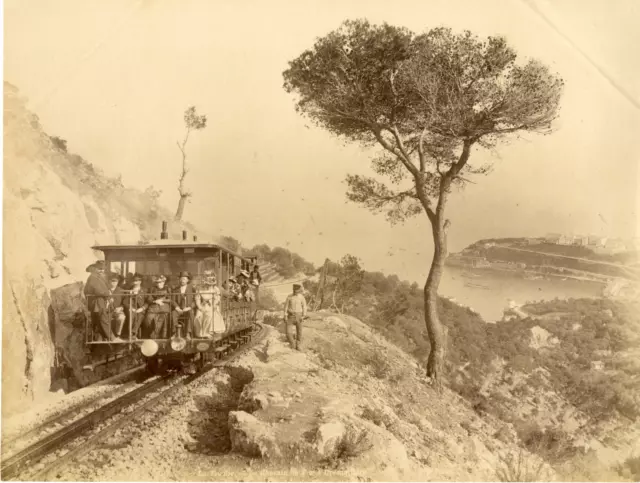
(183,300)
(97,292)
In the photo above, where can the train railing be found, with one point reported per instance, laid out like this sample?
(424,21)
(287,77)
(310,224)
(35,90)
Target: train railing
(121,316)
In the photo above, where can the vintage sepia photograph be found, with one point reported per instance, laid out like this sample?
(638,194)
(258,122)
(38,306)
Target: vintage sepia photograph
(321,241)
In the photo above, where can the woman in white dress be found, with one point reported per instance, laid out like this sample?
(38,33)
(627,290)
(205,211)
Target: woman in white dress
(208,319)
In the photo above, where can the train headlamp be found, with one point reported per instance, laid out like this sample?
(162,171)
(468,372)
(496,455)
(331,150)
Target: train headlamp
(149,348)
(178,343)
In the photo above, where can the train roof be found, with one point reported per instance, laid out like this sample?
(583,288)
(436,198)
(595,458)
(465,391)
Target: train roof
(166,244)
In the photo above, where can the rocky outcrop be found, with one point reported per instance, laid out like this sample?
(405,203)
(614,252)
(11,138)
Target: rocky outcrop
(56,206)
(323,410)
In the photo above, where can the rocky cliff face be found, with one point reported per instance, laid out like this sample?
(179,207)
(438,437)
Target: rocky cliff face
(56,206)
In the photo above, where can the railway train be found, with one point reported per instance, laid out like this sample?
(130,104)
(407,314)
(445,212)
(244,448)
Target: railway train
(172,348)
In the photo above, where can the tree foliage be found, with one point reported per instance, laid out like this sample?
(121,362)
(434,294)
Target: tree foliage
(424,99)
(348,281)
(287,263)
(231,243)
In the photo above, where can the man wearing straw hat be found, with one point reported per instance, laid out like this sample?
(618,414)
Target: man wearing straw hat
(295,310)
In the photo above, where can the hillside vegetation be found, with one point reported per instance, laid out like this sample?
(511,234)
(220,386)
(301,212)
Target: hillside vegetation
(566,378)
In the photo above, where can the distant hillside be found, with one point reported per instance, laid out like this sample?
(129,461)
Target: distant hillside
(537,255)
(626,255)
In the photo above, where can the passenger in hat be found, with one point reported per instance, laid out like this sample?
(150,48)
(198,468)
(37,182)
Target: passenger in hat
(114,306)
(245,291)
(135,306)
(208,320)
(183,304)
(128,281)
(248,293)
(156,319)
(295,310)
(232,288)
(97,294)
(255,275)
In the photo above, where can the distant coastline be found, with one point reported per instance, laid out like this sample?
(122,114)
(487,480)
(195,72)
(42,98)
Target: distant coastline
(533,272)
(537,259)
(532,257)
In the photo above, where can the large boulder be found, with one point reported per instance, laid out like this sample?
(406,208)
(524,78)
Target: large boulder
(329,436)
(252,437)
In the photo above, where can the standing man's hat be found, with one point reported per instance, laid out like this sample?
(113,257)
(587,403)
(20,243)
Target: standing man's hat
(297,286)
(114,276)
(184,274)
(137,276)
(98,265)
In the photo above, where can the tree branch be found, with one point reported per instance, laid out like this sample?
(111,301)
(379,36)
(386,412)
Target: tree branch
(423,197)
(462,160)
(181,190)
(421,154)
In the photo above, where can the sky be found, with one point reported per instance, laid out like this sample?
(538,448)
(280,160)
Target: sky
(114,78)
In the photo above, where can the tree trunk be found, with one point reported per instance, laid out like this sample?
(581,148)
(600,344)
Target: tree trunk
(180,210)
(435,330)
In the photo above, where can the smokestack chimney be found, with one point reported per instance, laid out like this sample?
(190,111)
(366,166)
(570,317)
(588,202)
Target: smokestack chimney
(184,235)
(164,235)
(195,238)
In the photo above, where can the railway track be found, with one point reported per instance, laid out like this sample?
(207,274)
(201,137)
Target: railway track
(44,458)
(12,445)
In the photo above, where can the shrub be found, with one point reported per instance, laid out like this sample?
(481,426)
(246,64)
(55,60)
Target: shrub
(521,466)
(379,364)
(630,469)
(267,300)
(376,416)
(272,320)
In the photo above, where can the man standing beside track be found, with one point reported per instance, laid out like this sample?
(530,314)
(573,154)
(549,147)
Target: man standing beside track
(295,310)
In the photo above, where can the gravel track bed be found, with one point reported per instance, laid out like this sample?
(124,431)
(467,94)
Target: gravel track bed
(19,424)
(192,420)
(71,415)
(33,471)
